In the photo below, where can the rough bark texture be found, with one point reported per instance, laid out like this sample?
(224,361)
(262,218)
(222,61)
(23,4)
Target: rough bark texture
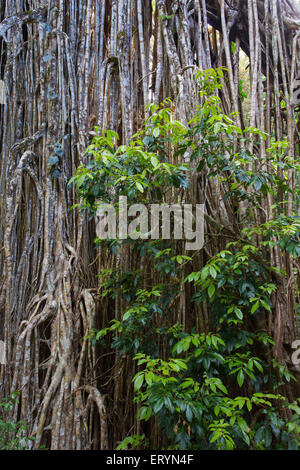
(68,65)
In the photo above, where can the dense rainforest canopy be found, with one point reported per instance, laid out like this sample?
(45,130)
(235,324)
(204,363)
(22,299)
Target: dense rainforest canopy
(142,343)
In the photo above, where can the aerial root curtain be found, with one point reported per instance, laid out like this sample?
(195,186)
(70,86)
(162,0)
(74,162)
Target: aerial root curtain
(66,66)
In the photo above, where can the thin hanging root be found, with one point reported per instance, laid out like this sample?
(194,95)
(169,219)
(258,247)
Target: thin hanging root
(96,396)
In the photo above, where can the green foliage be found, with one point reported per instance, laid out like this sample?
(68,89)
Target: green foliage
(13,435)
(215,389)
(137,170)
(133,442)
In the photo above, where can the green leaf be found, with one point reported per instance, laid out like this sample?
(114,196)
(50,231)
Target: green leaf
(189,414)
(149,377)
(154,161)
(259,435)
(127,315)
(139,380)
(212,272)
(255,307)
(240,378)
(238,313)
(211,290)
(265,305)
(158,405)
(268,437)
(140,187)
(156,132)
(242,424)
